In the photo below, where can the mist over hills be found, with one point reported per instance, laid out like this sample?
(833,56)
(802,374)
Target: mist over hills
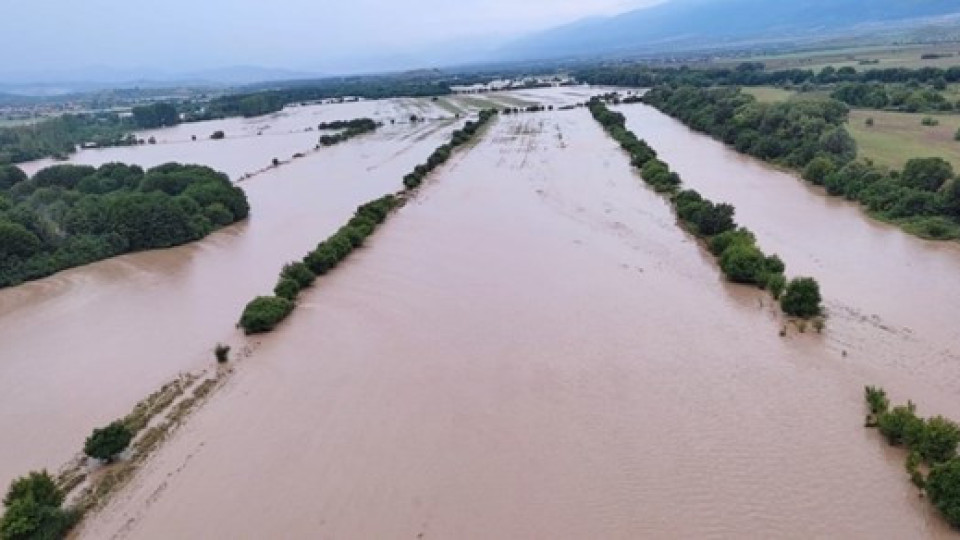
(680,24)
(673,26)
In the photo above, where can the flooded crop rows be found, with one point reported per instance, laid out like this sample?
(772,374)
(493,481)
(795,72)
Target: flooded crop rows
(530,348)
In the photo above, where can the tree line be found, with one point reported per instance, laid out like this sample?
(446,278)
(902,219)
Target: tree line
(931,443)
(755,74)
(923,198)
(70,215)
(60,136)
(351,129)
(741,260)
(264,313)
(257,103)
(911,97)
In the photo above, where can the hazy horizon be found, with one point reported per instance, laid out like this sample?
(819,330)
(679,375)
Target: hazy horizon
(99,37)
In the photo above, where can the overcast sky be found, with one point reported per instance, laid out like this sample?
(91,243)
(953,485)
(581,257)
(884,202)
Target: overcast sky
(314,35)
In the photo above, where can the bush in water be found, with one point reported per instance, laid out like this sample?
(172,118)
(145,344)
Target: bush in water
(105,443)
(32,509)
(802,298)
(264,313)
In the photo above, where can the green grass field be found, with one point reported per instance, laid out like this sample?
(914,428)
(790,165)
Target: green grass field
(897,137)
(905,56)
(769,94)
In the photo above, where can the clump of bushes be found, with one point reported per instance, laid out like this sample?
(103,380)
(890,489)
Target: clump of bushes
(741,260)
(264,313)
(351,129)
(802,298)
(932,443)
(33,509)
(222,353)
(106,442)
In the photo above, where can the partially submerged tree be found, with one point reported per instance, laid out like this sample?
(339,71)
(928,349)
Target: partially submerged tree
(106,442)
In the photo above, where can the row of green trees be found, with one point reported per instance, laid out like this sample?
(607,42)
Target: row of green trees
(260,102)
(70,215)
(790,134)
(810,137)
(155,115)
(60,136)
(351,129)
(756,74)
(932,462)
(264,313)
(897,97)
(741,260)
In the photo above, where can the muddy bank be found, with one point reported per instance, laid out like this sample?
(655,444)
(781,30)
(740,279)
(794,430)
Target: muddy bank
(534,349)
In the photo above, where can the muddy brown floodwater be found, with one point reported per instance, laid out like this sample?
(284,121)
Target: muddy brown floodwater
(873,275)
(533,349)
(81,347)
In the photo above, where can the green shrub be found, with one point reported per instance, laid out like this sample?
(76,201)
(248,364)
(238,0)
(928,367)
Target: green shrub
(222,353)
(900,425)
(322,260)
(743,263)
(934,227)
(938,442)
(774,265)
(877,399)
(264,313)
(775,284)
(720,242)
(26,519)
(38,486)
(32,510)
(341,245)
(105,443)
(802,298)
(218,214)
(818,169)
(287,288)
(298,272)
(943,487)
(355,237)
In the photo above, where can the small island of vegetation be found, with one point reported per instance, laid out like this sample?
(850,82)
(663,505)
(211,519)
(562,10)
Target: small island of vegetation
(931,443)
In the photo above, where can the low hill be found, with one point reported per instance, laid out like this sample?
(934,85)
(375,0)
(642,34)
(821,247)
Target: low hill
(685,24)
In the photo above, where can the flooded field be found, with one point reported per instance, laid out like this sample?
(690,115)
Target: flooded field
(534,349)
(892,298)
(124,326)
(81,347)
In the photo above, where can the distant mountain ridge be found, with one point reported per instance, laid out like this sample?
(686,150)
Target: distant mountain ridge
(679,23)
